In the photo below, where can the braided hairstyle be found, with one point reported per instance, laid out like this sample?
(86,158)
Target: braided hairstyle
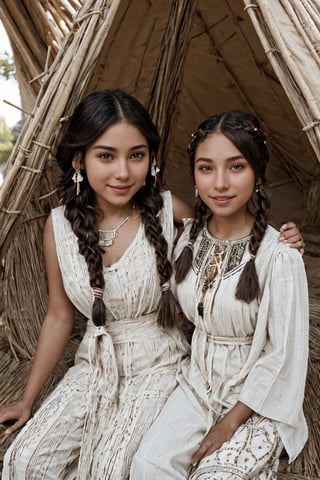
(244,131)
(90,119)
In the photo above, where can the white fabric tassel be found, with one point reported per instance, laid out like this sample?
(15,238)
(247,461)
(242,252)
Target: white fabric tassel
(104,372)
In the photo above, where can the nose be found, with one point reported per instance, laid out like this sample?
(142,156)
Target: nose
(221,180)
(122,171)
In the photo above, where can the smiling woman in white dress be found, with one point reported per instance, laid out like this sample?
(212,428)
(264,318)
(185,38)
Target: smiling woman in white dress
(106,251)
(240,400)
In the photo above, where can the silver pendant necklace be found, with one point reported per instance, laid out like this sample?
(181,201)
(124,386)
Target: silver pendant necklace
(107,237)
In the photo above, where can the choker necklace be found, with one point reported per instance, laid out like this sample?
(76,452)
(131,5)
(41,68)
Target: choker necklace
(107,237)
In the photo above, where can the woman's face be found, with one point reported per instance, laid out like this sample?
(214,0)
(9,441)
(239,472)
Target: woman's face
(116,164)
(224,178)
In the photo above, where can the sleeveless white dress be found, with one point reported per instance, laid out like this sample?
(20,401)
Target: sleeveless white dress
(92,423)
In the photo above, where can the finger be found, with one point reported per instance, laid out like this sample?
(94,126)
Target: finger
(287,226)
(18,424)
(290,237)
(283,228)
(292,233)
(6,416)
(200,453)
(300,245)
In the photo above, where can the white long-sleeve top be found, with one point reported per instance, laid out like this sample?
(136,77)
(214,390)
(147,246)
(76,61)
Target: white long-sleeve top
(256,353)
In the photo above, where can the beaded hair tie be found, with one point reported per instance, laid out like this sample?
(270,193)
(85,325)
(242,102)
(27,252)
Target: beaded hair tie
(190,245)
(97,292)
(165,286)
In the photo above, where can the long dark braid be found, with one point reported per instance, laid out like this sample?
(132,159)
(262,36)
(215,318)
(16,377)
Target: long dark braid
(81,213)
(150,203)
(91,118)
(244,131)
(248,285)
(184,261)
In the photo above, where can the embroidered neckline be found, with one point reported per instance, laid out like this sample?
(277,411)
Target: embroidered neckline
(211,246)
(214,260)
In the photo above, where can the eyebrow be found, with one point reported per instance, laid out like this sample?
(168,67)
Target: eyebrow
(229,159)
(113,149)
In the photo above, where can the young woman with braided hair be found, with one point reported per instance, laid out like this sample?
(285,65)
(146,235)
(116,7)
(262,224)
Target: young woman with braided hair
(239,402)
(107,252)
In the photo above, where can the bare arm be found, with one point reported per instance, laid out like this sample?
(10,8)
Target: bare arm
(181,210)
(54,335)
(222,431)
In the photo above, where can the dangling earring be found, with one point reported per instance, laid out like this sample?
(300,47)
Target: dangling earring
(196,193)
(257,188)
(154,170)
(77,178)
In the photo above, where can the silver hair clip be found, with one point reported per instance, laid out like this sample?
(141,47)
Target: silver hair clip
(255,130)
(197,135)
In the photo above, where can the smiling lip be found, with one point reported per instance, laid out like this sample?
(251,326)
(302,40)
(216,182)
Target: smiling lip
(221,200)
(121,190)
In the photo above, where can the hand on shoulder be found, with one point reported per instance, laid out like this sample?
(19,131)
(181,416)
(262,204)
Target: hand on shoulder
(291,236)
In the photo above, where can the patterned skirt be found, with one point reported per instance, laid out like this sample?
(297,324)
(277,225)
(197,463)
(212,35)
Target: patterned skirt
(252,453)
(166,450)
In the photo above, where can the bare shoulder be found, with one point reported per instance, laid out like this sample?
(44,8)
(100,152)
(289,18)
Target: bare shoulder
(49,247)
(58,303)
(48,226)
(48,234)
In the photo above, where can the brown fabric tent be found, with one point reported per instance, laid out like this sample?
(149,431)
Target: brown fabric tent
(184,59)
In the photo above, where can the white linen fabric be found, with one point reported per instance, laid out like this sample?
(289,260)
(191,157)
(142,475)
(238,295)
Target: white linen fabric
(92,423)
(256,353)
